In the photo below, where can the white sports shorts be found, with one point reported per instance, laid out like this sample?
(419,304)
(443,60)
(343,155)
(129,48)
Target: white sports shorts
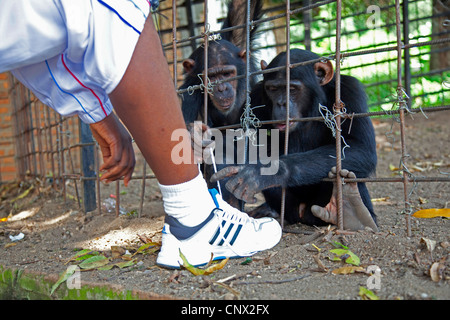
(71,53)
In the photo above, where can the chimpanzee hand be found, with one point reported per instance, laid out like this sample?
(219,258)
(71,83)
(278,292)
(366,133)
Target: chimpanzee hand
(246,180)
(117,149)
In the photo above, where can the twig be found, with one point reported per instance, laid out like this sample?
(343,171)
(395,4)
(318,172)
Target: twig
(273,281)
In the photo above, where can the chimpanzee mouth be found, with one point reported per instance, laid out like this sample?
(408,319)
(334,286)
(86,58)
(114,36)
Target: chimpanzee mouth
(282,126)
(225,105)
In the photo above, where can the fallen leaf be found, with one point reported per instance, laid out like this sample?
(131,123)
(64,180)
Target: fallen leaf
(437,270)
(431,244)
(380,199)
(66,275)
(22,195)
(432,213)
(117,251)
(126,264)
(94,262)
(346,255)
(142,249)
(367,294)
(337,244)
(319,263)
(197,271)
(78,254)
(348,270)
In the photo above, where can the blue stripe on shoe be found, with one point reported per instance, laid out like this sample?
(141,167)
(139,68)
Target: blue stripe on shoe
(236,233)
(182,232)
(213,239)
(226,234)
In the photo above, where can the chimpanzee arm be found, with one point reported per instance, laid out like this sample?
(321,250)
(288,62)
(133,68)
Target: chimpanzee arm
(305,168)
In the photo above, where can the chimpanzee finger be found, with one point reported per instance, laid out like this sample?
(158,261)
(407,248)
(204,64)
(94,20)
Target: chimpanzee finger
(244,192)
(225,173)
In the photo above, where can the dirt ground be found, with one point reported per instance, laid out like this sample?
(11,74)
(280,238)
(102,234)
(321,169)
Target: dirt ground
(299,267)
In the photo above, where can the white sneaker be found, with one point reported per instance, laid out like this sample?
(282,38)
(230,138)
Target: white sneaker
(226,233)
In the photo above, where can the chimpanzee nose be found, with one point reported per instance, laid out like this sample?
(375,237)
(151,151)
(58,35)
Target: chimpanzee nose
(222,87)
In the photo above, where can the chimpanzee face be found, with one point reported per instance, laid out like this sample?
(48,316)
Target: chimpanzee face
(304,85)
(276,91)
(223,94)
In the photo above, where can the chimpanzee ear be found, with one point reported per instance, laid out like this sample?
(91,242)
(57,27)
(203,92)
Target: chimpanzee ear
(188,65)
(324,72)
(242,54)
(263,65)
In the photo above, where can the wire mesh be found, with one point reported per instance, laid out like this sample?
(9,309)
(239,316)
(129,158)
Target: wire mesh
(414,59)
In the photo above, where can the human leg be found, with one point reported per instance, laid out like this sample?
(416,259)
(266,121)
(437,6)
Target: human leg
(146,101)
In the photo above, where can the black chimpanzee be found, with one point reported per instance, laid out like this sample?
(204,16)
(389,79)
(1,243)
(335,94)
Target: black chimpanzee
(226,59)
(312,150)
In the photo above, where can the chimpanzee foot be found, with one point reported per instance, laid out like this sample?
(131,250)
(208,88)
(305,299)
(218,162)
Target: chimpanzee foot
(356,215)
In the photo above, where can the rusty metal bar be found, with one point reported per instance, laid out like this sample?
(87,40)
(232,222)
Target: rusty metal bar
(329,57)
(205,69)
(402,106)
(338,108)
(288,94)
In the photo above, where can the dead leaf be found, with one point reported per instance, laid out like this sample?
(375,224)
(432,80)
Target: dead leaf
(380,199)
(437,271)
(319,263)
(431,244)
(117,252)
(432,213)
(348,270)
(197,271)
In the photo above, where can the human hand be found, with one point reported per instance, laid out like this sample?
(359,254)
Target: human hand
(117,149)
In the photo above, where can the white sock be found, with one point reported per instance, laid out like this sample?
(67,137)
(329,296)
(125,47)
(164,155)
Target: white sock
(189,202)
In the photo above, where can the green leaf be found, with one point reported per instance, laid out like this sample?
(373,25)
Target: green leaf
(338,245)
(126,264)
(145,247)
(367,294)
(66,275)
(342,253)
(94,262)
(78,254)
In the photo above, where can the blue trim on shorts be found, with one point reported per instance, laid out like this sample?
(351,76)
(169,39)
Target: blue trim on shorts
(118,14)
(66,92)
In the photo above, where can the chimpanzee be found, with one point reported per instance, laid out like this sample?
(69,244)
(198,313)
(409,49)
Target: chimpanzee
(311,149)
(226,59)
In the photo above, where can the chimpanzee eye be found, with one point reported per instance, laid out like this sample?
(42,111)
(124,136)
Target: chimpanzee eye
(271,88)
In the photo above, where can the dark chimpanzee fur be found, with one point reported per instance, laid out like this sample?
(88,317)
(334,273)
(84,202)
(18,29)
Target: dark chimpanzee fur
(226,59)
(312,148)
